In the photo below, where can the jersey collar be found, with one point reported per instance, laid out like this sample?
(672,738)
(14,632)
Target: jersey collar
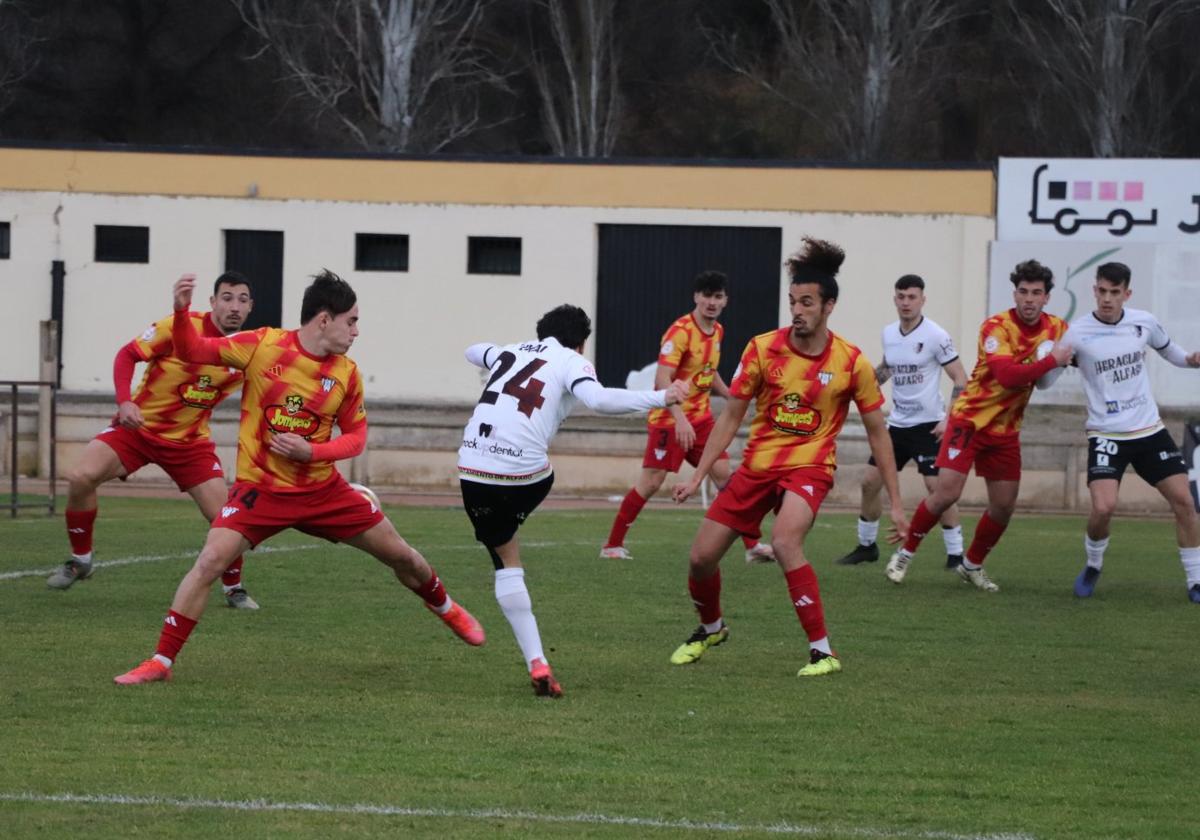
(1109,323)
(916,326)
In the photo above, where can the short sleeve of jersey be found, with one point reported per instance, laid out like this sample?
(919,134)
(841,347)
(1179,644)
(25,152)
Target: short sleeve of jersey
(867,395)
(578,369)
(1158,336)
(945,351)
(156,340)
(238,349)
(747,379)
(674,343)
(353,411)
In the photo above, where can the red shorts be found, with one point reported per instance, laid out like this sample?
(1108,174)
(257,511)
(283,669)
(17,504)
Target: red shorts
(188,464)
(749,496)
(333,511)
(663,451)
(997,457)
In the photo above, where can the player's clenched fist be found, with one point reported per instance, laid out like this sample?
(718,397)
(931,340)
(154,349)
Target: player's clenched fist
(183,291)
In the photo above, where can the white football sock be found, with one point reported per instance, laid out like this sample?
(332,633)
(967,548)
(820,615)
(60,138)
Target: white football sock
(1094,549)
(867,531)
(822,645)
(513,598)
(83,558)
(164,660)
(712,627)
(952,537)
(1190,557)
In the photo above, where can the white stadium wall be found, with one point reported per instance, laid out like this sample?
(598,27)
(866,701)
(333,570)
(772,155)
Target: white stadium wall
(936,223)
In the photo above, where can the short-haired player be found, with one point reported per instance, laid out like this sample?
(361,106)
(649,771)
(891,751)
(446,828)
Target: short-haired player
(915,352)
(298,385)
(164,422)
(1124,428)
(690,350)
(503,467)
(1017,348)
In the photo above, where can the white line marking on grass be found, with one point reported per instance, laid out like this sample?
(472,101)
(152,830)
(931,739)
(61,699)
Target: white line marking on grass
(151,558)
(262,805)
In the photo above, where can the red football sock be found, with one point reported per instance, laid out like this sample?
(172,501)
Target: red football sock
(749,542)
(706,595)
(922,523)
(432,592)
(987,534)
(233,575)
(806,598)
(176,629)
(631,506)
(79,529)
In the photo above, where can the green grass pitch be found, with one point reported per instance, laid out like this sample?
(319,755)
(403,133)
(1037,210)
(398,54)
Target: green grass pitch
(958,714)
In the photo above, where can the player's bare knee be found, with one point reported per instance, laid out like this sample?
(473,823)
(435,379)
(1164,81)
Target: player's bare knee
(211,564)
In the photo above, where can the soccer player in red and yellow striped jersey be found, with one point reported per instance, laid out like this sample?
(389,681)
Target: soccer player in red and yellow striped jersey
(803,379)
(690,352)
(1017,348)
(298,384)
(165,423)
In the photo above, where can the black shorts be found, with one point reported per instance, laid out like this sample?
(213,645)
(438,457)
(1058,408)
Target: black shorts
(915,443)
(498,510)
(1154,457)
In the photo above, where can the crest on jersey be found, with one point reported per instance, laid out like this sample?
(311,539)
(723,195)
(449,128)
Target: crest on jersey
(292,417)
(792,417)
(327,383)
(920,346)
(825,376)
(199,394)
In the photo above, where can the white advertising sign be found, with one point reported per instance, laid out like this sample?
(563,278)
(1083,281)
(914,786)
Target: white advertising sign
(1098,200)
(1166,282)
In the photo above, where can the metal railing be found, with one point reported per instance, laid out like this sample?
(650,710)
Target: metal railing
(51,444)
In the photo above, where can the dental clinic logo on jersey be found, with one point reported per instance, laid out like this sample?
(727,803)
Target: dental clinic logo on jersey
(292,417)
(792,417)
(703,379)
(199,394)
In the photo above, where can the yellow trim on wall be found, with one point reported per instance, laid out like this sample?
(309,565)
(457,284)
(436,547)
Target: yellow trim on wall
(680,186)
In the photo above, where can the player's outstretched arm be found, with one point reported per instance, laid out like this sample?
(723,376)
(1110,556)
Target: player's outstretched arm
(1177,356)
(478,355)
(621,401)
(885,460)
(685,435)
(719,439)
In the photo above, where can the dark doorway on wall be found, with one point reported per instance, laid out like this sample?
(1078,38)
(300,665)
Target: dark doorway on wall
(258,254)
(645,282)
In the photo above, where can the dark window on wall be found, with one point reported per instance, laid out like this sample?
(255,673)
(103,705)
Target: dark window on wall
(4,233)
(122,243)
(381,252)
(493,255)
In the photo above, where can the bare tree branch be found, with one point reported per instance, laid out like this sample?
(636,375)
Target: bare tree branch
(402,75)
(577,74)
(839,63)
(1095,56)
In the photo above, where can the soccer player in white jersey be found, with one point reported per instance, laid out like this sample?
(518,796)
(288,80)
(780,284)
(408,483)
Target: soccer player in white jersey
(915,351)
(1123,426)
(503,468)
